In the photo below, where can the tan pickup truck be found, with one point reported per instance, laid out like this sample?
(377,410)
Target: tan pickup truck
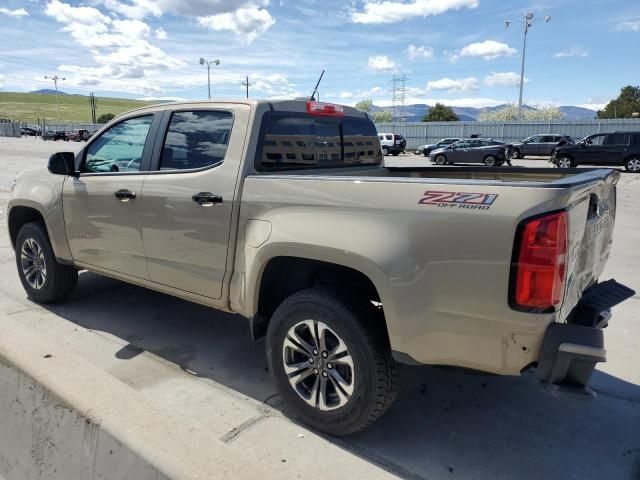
(283,212)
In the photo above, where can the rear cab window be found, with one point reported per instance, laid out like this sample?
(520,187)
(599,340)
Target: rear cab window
(616,139)
(196,139)
(291,140)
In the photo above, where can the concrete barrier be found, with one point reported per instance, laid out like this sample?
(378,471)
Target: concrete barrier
(62,418)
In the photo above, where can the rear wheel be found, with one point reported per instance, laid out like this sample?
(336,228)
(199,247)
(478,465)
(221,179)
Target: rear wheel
(331,361)
(564,162)
(517,154)
(490,161)
(632,164)
(395,153)
(43,278)
(385,151)
(441,159)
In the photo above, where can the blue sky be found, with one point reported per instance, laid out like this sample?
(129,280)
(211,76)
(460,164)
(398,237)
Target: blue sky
(455,51)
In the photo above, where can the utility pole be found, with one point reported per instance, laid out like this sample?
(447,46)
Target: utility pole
(203,62)
(527,22)
(247,84)
(92,106)
(55,79)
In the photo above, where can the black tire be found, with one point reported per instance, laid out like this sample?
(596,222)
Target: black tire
(441,159)
(632,164)
(517,154)
(361,327)
(490,161)
(385,151)
(59,280)
(565,159)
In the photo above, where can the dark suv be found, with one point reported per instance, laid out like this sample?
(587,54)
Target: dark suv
(539,145)
(617,148)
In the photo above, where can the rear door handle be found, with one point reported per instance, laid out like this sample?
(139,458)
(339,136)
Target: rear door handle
(125,195)
(207,199)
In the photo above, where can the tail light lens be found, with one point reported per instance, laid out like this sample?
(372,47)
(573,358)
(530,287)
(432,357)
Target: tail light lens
(327,109)
(539,267)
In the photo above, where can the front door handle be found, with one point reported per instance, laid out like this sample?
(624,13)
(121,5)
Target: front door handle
(125,195)
(207,199)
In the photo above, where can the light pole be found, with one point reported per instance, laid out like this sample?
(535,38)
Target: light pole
(215,62)
(527,22)
(55,79)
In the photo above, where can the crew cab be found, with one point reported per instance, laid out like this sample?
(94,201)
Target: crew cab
(610,149)
(282,212)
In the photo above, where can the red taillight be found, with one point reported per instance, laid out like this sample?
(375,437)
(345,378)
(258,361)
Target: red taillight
(329,109)
(540,263)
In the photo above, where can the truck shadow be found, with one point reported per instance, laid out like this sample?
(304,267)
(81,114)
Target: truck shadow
(446,423)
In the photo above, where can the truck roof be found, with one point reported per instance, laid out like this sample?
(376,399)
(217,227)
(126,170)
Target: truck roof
(297,105)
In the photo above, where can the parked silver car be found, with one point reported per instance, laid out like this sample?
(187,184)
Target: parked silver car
(474,150)
(543,145)
(427,149)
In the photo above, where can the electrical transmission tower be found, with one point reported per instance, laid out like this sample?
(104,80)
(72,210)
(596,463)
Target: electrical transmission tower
(398,96)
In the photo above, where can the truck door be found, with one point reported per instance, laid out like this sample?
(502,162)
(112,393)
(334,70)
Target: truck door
(190,195)
(102,206)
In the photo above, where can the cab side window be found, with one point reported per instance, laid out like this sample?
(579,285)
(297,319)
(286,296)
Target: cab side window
(196,139)
(120,148)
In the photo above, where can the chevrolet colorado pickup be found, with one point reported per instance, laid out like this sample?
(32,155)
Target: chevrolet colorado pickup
(282,212)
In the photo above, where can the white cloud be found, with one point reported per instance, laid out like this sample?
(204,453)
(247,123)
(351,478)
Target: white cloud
(124,58)
(160,33)
(346,95)
(390,11)
(593,106)
(248,22)
(454,85)
(503,79)
(17,13)
(419,52)
(489,49)
(629,26)
(572,52)
(382,63)
(137,9)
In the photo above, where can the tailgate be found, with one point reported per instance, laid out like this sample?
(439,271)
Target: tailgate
(591,221)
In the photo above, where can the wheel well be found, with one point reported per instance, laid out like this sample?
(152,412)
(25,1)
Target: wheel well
(18,216)
(284,276)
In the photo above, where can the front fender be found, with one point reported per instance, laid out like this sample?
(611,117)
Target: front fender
(42,191)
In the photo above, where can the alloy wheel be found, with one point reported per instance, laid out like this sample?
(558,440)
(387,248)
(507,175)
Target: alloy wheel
(318,364)
(34,267)
(633,165)
(564,162)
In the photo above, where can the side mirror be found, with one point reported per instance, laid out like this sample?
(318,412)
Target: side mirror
(62,163)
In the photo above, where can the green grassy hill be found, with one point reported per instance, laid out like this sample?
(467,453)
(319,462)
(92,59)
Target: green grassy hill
(27,107)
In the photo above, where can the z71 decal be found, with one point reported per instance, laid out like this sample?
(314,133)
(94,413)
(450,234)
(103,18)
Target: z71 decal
(472,201)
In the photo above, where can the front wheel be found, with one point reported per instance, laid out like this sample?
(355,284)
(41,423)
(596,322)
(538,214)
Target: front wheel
(632,164)
(331,361)
(517,154)
(385,151)
(441,159)
(564,162)
(43,278)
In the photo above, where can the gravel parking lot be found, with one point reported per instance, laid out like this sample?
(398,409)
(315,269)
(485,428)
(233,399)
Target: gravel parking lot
(200,366)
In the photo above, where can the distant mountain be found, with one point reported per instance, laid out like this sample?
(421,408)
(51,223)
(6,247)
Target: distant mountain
(48,91)
(415,112)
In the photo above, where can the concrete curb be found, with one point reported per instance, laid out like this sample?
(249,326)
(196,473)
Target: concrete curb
(77,425)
